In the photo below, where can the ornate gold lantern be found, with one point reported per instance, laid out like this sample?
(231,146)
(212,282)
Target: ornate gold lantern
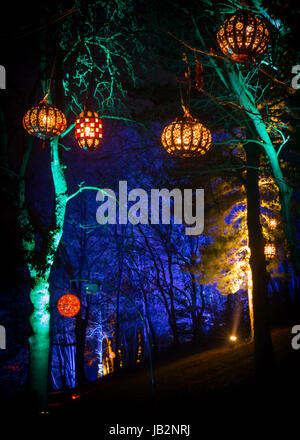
(88,130)
(243,36)
(270,250)
(44,121)
(186,137)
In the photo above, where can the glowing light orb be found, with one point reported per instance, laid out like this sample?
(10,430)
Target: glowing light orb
(186,137)
(68,305)
(112,355)
(88,130)
(233,338)
(44,121)
(243,36)
(272,224)
(270,250)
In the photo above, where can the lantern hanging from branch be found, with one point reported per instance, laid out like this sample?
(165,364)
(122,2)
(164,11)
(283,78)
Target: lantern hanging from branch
(270,250)
(44,121)
(186,137)
(88,130)
(243,36)
(68,305)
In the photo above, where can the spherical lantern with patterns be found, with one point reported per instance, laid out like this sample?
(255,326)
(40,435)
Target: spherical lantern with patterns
(243,36)
(44,121)
(88,130)
(270,250)
(68,305)
(186,137)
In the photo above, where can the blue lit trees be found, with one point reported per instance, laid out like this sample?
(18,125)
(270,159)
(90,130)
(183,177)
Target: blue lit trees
(97,52)
(80,32)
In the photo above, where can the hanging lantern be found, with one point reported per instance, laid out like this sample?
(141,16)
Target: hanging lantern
(243,36)
(88,130)
(68,305)
(44,121)
(270,250)
(186,137)
(272,223)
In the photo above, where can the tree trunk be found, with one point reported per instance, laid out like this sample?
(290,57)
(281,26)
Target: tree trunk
(285,192)
(250,302)
(39,341)
(173,321)
(80,331)
(117,327)
(262,334)
(195,312)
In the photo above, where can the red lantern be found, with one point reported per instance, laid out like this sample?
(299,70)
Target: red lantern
(68,305)
(88,130)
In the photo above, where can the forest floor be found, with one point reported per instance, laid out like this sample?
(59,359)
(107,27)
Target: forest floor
(216,389)
(218,381)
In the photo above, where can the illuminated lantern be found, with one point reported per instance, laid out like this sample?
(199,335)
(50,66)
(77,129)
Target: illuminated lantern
(88,130)
(68,305)
(44,121)
(272,222)
(186,137)
(243,36)
(270,250)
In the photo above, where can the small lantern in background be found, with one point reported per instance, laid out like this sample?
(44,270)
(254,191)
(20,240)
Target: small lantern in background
(88,130)
(186,137)
(44,121)
(243,36)
(272,223)
(68,305)
(270,250)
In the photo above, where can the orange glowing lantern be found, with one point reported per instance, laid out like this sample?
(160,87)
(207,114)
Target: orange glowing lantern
(88,130)
(270,250)
(44,121)
(68,305)
(272,222)
(186,137)
(243,36)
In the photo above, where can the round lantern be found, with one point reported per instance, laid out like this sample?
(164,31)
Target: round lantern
(270,250)
(186,137)
(88,130)
(272,223)
(68,305)
(44,121)
(243,36)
